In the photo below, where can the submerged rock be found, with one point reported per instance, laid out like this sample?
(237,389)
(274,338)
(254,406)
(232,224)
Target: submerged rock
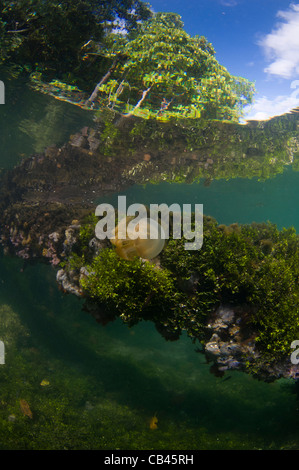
(232,346)
(67,284)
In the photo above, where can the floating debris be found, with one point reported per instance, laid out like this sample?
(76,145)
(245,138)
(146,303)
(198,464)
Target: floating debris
(44,383)
(25,408)
(153,422)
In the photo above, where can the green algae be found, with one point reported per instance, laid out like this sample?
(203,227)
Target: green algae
(129,286)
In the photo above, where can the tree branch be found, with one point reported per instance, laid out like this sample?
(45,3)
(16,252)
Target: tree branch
(18,30)
(95,92)
(144,95)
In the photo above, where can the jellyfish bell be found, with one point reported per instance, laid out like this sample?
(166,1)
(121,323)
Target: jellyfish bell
(151,239)
(144,238)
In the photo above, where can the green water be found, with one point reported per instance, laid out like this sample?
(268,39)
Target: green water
(238,200)
(105,383)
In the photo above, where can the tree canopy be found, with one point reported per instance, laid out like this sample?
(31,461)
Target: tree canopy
(50,34)
(164,73)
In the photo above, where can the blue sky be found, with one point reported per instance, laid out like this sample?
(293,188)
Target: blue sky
(255,39)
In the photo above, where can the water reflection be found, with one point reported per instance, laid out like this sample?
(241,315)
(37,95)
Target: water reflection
(30,121)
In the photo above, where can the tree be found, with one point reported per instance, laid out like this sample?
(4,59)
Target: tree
(122,14)
(168,73)
(51,33)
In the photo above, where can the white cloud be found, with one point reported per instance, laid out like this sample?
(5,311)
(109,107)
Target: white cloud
(282,50)
(282,44)
(229,3)
(264,108)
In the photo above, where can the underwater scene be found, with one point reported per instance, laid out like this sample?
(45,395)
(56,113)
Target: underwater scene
(149,229)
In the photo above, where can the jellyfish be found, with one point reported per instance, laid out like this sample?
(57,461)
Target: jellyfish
(143,239)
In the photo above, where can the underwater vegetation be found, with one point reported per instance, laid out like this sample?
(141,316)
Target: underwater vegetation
(254,265)
(107,392)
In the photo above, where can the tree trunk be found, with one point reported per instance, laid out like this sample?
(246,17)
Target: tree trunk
(93,96)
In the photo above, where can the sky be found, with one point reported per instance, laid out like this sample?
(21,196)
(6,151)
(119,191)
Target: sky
(254,39)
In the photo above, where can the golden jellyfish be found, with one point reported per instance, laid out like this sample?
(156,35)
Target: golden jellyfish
(144,238)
